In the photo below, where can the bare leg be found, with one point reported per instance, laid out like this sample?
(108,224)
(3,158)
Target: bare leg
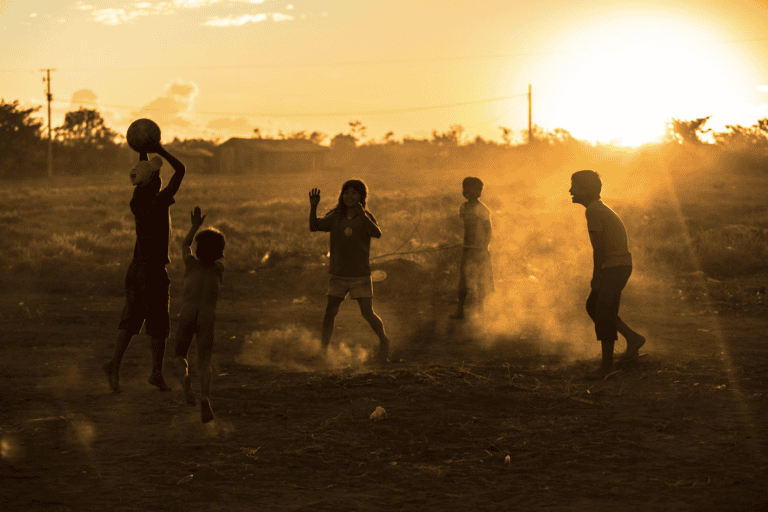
(182,368)
(460,307)
(366,308)
(634,339)
(331,310)
(158,353)
(112,368)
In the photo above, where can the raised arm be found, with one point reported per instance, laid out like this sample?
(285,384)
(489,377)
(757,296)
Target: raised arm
(196,218)
(178,169)
(314,200)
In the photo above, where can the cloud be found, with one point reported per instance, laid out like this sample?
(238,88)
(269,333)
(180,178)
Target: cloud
(281,17)
(84,7)
(239,125)
(235,22)
(116,16)
(194,3)
(84,98)
(174,107)
(762,88)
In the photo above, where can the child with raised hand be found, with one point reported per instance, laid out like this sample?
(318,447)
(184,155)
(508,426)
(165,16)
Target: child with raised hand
(351,227)
(475,271)
(147,287)
(202,278)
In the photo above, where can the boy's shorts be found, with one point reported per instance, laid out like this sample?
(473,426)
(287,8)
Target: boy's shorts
(357,287)
(147,298)
(475,271)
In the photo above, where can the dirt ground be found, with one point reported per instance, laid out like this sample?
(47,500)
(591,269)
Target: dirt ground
(682,429)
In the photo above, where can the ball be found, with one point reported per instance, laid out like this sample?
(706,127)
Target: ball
(143,135)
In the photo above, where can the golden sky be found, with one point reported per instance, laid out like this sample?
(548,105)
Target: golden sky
(605,71)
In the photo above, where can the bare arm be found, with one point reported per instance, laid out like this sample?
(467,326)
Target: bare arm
(370,222)
(197,219)
(314,200)
(598,249)
(178,170)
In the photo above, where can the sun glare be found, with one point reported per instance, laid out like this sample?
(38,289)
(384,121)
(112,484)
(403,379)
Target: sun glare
(624,85)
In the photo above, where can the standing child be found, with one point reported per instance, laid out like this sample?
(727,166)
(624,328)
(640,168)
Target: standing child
(202,277)
(147,287)
(611,271)
(475,271)
(351,227)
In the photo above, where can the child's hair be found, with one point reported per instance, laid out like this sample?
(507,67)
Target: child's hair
(359,186)
(472,182)
(590,179)
(210,245)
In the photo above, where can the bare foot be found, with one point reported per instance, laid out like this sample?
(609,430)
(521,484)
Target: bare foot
(159,381)
(633,346)
(383,354)
(189,395)
(206,413)
(113,376)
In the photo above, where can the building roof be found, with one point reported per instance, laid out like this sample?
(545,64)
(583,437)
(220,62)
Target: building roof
(277,145)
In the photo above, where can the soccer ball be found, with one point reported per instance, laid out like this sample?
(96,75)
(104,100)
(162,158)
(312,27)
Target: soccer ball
(143,135)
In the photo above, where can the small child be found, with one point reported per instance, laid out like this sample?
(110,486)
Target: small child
(351,227)
(475,271)
(202,277)
(147,287)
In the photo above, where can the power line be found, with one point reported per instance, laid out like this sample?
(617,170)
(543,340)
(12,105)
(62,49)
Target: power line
(332,114)
(352,62)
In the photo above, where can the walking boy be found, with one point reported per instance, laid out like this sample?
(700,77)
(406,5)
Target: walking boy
(147,287)
(475,271)
(202,278)
(612,268)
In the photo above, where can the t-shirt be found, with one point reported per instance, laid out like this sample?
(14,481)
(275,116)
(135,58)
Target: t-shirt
(201,283)
(600,218)
(476,219)
(350,244)
(151,209)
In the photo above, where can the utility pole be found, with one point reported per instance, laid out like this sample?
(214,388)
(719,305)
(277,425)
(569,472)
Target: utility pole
(530,126)
(50,137)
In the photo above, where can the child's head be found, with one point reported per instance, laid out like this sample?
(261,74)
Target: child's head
(145,170)
(210,245)
(585,186)
(352,191)
(473,188)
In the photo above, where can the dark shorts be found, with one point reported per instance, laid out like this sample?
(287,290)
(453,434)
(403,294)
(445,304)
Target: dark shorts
(147,298)
(475,271)
(603,302)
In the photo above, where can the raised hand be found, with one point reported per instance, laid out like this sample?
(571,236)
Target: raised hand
(197,217)
(314,197)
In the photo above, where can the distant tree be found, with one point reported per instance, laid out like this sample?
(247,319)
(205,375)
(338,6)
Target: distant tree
(389,138)
(740,137)
(316,137)
(687,132)
(21,149)
(257,133)
(450,138)
(357,130)
(506,135)
(86,141)
(85,128)
(343,141)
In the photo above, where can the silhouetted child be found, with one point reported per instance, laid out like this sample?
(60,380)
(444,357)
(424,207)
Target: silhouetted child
(202,277)
(475,271)
(147,287)
(351,227)
(612,268)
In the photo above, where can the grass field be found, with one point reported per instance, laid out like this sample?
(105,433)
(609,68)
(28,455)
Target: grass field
(681,429)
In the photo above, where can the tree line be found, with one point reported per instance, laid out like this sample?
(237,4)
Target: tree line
(84,144)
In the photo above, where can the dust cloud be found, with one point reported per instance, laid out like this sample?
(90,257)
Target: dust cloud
(296,349)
